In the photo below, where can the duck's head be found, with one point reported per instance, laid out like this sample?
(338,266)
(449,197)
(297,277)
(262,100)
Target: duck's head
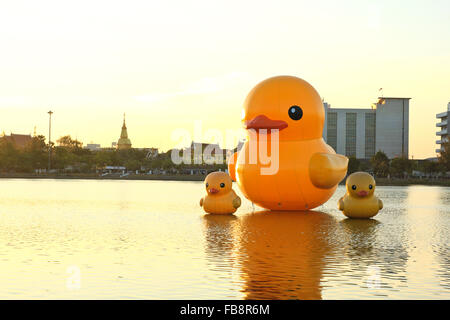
(218,183)
(360,184)
(288,104)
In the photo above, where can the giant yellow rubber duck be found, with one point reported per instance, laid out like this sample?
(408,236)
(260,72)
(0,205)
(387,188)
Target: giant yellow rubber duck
(285,115)
(360,201)
(221,198)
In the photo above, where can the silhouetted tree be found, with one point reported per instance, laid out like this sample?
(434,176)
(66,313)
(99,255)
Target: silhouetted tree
(380,164)
(444,157)
(9,156)
(353,165)
(400,167)
(68,142)
(35,154)
(430,167)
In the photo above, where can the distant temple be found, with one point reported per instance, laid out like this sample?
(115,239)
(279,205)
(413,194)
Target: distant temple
(18,140)
(124,143)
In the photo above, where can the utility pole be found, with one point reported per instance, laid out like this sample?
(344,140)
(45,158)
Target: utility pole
(49,140)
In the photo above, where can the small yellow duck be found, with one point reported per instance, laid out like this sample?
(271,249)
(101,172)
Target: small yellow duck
(221,199)
(359,201)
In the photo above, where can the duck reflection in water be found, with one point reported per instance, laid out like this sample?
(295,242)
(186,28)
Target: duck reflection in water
(359,239)
(220,240)
(360,226)
(367,244)
(281,255)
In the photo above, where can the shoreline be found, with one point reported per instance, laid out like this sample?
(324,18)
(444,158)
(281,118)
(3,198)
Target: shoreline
(109,177)
(413,182)
(380,181)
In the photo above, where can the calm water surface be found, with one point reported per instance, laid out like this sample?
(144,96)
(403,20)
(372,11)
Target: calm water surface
(89,239)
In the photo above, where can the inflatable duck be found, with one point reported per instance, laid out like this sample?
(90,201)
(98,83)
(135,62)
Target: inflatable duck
(285,115)
(359,201)
(221,199)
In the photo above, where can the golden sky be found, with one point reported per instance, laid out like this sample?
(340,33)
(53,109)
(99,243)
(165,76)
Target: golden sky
(169,64)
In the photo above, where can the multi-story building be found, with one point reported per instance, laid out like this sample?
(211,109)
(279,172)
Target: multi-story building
(364,132)
(442,134)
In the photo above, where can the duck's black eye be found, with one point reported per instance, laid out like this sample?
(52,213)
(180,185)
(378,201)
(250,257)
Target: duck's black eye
(222,185)
(370,186)
(353,187)
(295,112)
(207,185)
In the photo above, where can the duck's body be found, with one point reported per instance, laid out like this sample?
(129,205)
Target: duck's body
(220,198)
(360,200)
(354,207)
(285,164)
(221,204)
(291,188)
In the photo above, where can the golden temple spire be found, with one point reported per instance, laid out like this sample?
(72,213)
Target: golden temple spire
(124,142)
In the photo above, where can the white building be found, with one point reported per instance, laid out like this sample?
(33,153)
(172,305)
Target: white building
(364,132)
(93,147)
(442,134)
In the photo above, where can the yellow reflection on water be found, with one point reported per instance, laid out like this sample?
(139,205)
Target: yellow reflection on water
(151,240)
(284,254)
(281,254)
(425,256)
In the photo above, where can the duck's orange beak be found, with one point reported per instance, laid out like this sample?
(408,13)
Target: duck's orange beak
(262,122)
(363,193)
(213,190)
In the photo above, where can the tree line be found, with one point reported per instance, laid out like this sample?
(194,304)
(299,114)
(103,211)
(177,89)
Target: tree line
(381,166)
(69,155)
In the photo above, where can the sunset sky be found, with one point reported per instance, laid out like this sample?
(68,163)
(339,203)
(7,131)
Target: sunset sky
(168,64)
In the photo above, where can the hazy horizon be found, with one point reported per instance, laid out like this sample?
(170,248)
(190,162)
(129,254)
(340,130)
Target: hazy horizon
(167,65)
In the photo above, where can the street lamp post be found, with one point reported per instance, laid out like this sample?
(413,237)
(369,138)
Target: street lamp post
(50,140)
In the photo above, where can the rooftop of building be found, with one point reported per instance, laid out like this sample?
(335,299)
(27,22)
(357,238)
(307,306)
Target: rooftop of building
(364,109)
(20,140)
(352,109)
(392,98)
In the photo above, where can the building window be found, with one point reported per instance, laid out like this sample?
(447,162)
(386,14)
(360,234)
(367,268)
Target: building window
(350,134)
(332,129)
(370,135)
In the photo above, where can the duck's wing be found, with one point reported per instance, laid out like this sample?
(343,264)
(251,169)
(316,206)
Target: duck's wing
(236,202)
(341,204)
(326,170)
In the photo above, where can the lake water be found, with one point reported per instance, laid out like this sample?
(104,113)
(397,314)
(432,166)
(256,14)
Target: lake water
(106,239)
